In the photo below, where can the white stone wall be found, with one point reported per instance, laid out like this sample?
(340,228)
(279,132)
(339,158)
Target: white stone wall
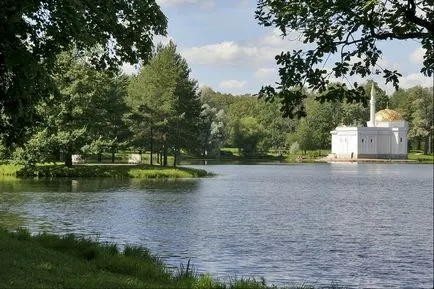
(369,142)
(344,142)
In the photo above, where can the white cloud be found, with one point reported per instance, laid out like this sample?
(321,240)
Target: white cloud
(202,3)
(414,79)
(231,84)
(230,53)
(255,53)
(265,73)
(274,39)
(225,52)
(416,56)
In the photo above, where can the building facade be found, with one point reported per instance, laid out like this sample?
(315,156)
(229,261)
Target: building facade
(384,137)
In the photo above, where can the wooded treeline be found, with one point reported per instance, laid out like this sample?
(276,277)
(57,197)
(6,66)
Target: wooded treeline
(162,111)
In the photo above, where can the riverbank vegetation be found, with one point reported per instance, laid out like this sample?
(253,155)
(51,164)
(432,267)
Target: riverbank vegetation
(50,261)
(113,171)
(162,116)
(225,127)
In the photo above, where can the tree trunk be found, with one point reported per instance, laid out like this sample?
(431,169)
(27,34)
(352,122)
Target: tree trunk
(99,157)
(430,144)
(113,157)
(426,146)
(165,158)
(152,148)
(68,159)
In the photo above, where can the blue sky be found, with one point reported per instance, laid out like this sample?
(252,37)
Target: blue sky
(228,51)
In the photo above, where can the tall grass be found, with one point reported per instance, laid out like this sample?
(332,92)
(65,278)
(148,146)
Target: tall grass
(50,261)
(67,261)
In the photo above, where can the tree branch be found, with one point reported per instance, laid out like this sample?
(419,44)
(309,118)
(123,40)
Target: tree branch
(410,14)
(387,35)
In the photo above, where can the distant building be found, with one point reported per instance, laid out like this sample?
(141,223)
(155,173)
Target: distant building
(385,137)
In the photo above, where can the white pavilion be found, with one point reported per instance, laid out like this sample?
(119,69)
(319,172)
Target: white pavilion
(385,137)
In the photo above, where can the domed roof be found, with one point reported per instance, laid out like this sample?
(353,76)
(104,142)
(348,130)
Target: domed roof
(388,115)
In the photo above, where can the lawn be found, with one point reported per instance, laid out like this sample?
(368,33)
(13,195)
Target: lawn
(114,171)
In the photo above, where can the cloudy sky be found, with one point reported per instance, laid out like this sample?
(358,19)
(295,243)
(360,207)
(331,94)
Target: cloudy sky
(227,50)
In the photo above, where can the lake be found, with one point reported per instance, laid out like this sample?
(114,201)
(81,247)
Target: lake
(360,225)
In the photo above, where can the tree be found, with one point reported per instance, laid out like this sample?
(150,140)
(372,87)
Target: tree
(277,127)
(415,106)
(422,125)
(305,135)
(247,134)
(66,116)
(107,131)
(313,131)
(164,94)
(33,33)
(211,129)
(350,31)
(241,106)
(84,116)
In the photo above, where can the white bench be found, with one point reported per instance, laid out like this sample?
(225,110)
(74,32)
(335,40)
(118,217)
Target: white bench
(77,159)
(135,159)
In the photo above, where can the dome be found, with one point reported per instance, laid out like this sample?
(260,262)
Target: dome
(388,115)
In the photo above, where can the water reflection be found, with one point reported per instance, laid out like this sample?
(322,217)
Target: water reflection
(61,185)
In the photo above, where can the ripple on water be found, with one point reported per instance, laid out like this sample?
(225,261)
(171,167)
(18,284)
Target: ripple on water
(364,226)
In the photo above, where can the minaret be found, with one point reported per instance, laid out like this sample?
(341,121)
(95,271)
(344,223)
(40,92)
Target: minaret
(371,122)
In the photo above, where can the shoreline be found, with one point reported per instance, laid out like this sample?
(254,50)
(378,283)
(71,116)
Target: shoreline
(54,261)
(105,170)
(344,160)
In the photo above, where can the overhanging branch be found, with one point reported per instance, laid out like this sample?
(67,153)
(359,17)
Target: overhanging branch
(410,14)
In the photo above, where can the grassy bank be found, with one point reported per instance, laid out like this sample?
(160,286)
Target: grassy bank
(114,171)
(421,158)
(49,261)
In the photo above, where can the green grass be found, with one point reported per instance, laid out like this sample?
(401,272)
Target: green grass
(421,158)
(114,171)
(47,261)
(50,261)
(167,173)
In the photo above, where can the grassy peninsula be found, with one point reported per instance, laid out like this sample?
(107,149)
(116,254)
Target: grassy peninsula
(51,261)
(114,171)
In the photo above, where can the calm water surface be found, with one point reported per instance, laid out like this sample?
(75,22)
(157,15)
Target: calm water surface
(361,225)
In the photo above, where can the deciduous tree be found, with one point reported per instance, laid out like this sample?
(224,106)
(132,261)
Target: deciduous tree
(422,118)
(33,33)
(351,31)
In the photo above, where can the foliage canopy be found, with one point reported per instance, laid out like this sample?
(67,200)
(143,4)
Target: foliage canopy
(33,33)
(165,104)
(352,31)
